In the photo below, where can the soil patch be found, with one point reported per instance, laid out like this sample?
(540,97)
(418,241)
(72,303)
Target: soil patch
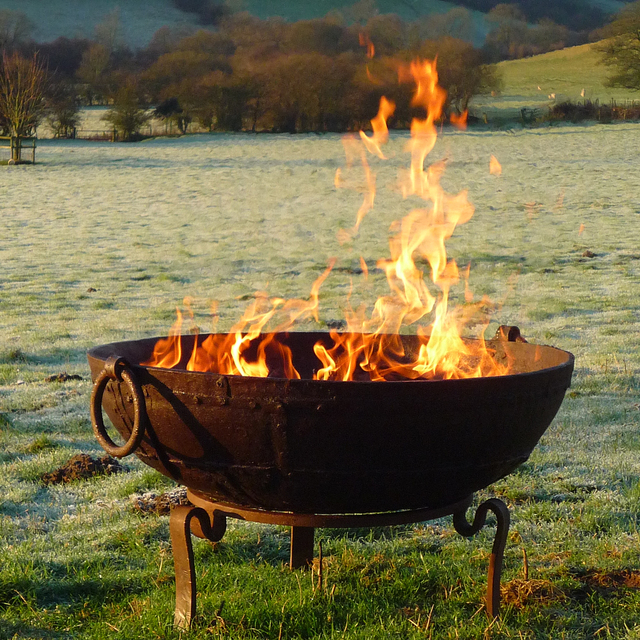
(81,467)
(62,377)
(606,582)
(159,503)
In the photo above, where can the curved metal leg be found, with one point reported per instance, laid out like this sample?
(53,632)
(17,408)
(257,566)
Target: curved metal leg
(467,529)
(181,526)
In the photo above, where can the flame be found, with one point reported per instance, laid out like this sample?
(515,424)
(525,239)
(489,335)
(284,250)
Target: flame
(365,41)
(352,149)
(430,97)
(371,348)
(380,129)
(495,168)
(363,266)
(459,120)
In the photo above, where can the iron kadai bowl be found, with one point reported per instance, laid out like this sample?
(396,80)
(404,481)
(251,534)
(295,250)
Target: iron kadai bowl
(324,447)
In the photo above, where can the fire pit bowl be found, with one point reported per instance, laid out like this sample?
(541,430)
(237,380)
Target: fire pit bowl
(312,453)
(325,447)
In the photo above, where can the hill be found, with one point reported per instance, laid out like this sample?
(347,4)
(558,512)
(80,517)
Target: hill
(541,80)
(141,18)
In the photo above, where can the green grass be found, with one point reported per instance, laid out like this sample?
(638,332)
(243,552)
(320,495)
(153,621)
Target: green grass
(76,561)
(565,74)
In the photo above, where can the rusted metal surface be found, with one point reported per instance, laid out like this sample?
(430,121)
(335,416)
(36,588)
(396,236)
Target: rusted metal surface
(310,454)
(464,528)
(326,447)
(183,522)
(116,368)
(207,519)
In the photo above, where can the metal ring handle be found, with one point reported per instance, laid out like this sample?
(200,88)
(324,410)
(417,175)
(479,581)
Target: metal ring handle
(116,368)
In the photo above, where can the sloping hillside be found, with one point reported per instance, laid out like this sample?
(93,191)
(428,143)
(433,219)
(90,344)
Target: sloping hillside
(574,73)
(141,18)
(566,73)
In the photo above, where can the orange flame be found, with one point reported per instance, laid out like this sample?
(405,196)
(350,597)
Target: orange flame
(459,120)
(371,347)
(372,144)
(495,168)
(365,41)
(380,129)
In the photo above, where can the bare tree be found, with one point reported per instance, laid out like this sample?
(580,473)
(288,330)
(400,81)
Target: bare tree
(108,33)
(92,71)
(23,84)
(15,28)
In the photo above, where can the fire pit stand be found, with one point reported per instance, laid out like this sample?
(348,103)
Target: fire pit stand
(311,453)
(208,519)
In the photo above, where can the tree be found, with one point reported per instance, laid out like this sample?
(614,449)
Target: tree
(509,31)
(460,71)
(208,12)
(108,33)
(63,115)
(455,23)
(23,83)
(169,110)
(388,34)
(15,28)
(63,56)
(93,70)
(621,49)
(361,11)
(129,114)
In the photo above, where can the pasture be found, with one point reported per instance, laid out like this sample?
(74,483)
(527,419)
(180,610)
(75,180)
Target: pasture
(575,73)
(101,242)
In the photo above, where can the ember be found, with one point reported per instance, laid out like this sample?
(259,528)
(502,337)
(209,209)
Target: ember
(370,347)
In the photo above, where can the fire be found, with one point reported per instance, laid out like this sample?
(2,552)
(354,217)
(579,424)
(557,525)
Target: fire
(365,41)
(380,129)
(495,168)
(459,121)
(372,144)
(371,348)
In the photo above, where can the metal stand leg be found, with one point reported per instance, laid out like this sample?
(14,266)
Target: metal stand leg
(301,547)
(183,522)
(466,529)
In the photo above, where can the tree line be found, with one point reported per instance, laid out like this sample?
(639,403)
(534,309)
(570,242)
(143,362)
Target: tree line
(252,74)
(265,75)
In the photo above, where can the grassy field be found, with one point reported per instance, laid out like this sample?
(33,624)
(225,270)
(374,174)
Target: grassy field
(101,242)
(575,74)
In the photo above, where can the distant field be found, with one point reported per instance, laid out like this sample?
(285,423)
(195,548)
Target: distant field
(541,81)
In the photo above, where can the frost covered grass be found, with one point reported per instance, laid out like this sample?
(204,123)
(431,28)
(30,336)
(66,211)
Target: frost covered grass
(100,242)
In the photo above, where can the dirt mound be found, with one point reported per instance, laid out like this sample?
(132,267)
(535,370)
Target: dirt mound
(607,581)
(159,503)
(81,467)
(520,593)
(62,377)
